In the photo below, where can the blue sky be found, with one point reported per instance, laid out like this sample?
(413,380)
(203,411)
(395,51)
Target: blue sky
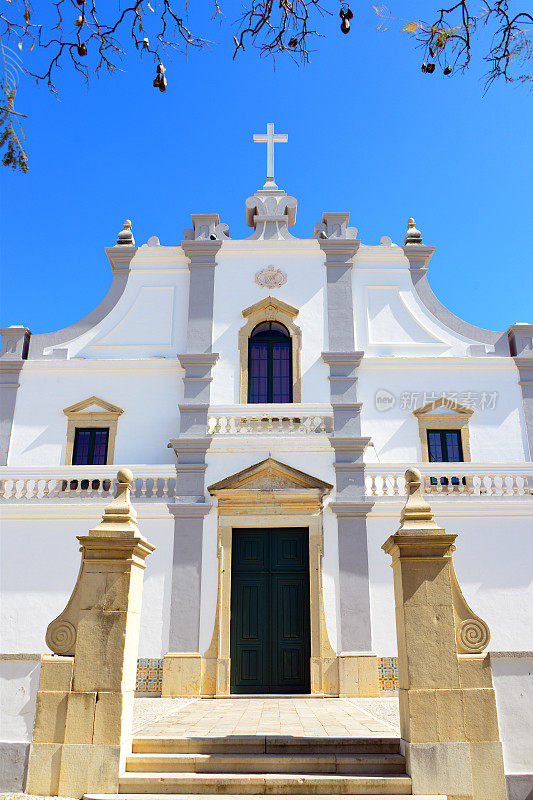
(368,133)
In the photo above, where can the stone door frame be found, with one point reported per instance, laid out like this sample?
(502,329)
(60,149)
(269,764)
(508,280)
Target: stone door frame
(270,495)
(217,658)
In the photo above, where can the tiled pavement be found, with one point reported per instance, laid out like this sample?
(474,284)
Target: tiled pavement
(286,716)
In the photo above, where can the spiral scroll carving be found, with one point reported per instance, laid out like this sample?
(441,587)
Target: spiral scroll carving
(61,637)
(473,635)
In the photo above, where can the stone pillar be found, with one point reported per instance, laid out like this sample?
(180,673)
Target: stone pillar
(13,353)
(182,664)
(84,707)
(521,347)
(448,718)
(358,668)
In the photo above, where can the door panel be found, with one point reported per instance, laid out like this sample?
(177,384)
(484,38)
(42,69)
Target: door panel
(250,656)
(270,628)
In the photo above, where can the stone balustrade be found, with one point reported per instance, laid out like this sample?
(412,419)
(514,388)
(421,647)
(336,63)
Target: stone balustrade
(482,480)
(76,483)
(158,482)
(279,420)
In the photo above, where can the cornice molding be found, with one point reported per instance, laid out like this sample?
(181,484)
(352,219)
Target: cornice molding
(341,509)
(342,250)
(201,252)
(188,360)
(345,357)
(189,510)
(418,255)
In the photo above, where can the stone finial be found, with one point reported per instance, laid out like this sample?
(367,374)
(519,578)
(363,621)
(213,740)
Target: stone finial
(206,227)
(125,236)
(416,512)
(119,518)
(521,340)
(413,235)
(335,226)
(271,212)
(15,343)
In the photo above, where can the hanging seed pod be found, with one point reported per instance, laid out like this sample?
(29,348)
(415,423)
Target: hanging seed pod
(349,13)
(431,52)
(424,68)
(79,22)
(293,42)
(156,81)
(160,69)
(345,26)
(82,50)
(342,13)
(146,43)
(162,84)
(430,68)
(447,70)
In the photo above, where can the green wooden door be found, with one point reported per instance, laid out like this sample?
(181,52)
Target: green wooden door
(270,634)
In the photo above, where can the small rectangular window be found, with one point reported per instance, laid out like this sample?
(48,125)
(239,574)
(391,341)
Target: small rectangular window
(90,446)
(445,446)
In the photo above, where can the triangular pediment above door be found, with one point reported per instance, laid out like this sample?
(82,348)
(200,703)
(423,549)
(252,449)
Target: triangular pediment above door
(270,475)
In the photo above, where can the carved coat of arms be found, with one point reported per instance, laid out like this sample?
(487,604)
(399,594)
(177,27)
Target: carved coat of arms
(270,277)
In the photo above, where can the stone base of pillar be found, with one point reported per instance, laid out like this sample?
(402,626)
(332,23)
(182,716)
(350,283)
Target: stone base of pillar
(70,770)
(457,769)
(182,675)
(78,743)
(358,675)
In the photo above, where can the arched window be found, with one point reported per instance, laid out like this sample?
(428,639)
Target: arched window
(270,364)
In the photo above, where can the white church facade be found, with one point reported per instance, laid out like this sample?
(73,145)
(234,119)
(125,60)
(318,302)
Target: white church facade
(268,394)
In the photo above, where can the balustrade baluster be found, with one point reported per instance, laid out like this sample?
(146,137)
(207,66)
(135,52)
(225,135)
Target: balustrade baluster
(487,484)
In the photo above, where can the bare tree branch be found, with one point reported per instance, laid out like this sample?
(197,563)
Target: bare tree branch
(92,36)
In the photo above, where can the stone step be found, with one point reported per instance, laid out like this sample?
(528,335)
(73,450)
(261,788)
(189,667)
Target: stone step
(354,764)
(266,744)
(281,783)
(150,796)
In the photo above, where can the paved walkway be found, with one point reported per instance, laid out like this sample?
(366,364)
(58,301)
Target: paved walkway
(287,716)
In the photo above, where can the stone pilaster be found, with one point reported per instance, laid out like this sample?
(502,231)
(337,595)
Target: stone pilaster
(186,575)
(448,718)
(358,672)
(521,347)
(84,707)
(13,353)
(182,664)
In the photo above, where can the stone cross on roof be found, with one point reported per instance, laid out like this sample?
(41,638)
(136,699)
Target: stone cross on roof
(270,138)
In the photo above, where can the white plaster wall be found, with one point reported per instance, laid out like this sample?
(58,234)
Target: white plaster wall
(390,318)
(497,432)
(19,681)
(149,393)
(223,464)
(512,676)
(235,290)
(39,565)
(150,318)
(493,565)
